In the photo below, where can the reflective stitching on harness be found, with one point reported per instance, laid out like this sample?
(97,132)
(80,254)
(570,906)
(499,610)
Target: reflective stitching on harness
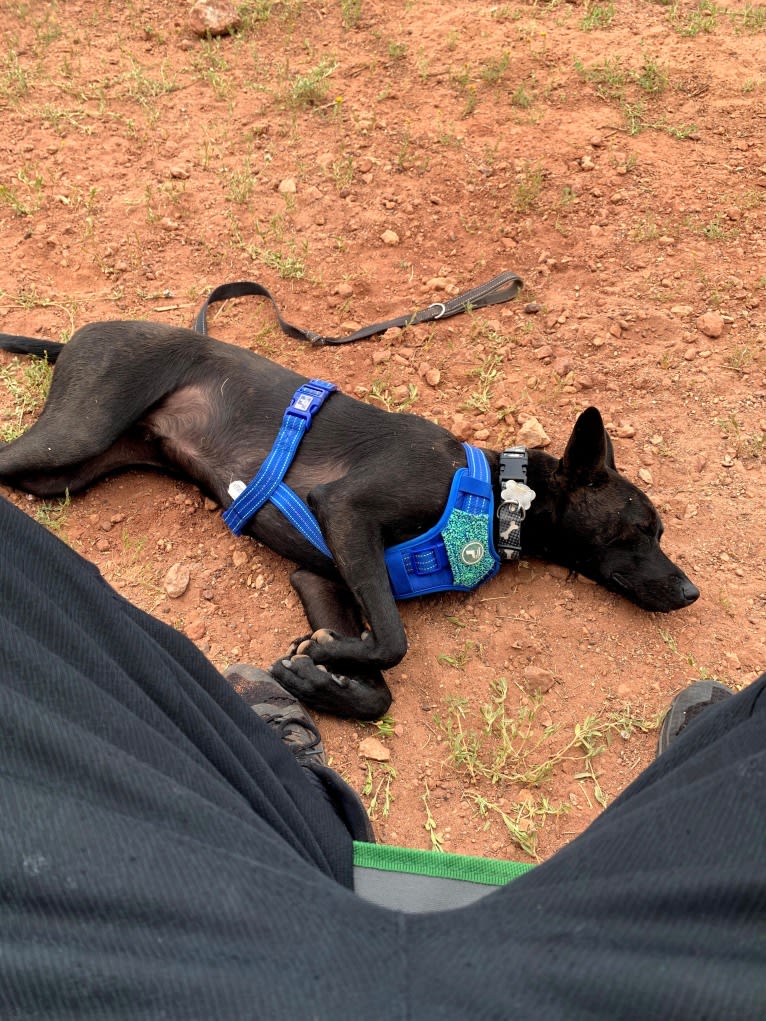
(306,401)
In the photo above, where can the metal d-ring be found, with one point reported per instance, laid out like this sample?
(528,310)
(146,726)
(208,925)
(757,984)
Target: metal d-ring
(438,304)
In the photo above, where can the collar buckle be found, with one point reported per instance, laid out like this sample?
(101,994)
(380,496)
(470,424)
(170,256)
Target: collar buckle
(515,500)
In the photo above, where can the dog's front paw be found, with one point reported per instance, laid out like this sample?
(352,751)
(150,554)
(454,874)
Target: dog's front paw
(362,697)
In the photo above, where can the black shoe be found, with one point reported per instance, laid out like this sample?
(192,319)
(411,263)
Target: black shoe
(290,722)
(282,711)
(686,706)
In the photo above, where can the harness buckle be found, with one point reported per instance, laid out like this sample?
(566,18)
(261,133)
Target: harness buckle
(307,400)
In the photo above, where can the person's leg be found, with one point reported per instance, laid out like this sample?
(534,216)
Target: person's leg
(658,910)
(162,853)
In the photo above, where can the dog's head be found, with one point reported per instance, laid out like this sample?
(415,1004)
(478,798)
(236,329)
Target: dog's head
(605,528)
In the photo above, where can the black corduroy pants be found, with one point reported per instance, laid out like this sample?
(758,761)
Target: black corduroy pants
(162,855)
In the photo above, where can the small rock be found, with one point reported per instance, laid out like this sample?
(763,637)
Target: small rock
(532,308)
(681,310)
(389,237)
(239,558)
(103,545)
(344,289)
(543,352)
(645,475)
(711,324)
(461,427)
(288,186)
(586,163)
(433,377)
(532,434)
(195,629)
(210,505)
(372,748)
(177,580)
(380,356)
(537,678)
(213,17)
(180,173)
(625,432)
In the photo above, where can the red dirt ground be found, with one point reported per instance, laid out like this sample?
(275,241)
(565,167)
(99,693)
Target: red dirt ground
(611,154)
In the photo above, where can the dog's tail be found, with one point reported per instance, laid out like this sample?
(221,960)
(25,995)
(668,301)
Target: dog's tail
(48,349)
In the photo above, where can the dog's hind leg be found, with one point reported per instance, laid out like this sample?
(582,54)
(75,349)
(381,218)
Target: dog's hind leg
(49,476)
(350,689)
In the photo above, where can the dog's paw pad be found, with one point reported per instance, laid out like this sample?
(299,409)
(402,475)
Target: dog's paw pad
(296,643)
(323,636)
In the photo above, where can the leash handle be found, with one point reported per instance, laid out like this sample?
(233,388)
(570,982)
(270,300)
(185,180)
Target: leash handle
(499,289)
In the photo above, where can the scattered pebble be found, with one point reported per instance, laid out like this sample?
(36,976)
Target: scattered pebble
(177,580)
(532,434)
(213,17)
(711,324)
(373,748)
(537,678)
(195,629)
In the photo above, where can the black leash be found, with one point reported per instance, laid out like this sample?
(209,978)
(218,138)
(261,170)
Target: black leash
(500,289)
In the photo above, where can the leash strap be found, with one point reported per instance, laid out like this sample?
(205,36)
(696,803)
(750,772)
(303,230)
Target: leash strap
(500,289)
(267,484)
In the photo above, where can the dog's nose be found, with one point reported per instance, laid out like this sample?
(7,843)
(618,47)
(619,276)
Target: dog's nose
(689,592)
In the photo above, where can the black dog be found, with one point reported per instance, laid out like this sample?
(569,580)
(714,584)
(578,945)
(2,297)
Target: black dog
(128,394)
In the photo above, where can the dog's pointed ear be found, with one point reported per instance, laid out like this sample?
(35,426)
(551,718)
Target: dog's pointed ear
(589,450)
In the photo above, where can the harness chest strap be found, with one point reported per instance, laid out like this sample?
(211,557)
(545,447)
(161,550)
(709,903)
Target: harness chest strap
(456,554)
(268,484)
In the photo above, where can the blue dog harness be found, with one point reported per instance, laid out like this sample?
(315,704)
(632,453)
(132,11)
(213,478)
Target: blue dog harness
(457,554)
(268,484)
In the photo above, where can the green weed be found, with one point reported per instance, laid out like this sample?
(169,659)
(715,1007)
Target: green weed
(27,384)
(311,88)
(377,787)
(511,748)
(597,16)
(52,513)
(702,19)
(437,840)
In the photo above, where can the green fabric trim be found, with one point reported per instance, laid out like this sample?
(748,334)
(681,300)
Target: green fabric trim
(435,863)
(465,539)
